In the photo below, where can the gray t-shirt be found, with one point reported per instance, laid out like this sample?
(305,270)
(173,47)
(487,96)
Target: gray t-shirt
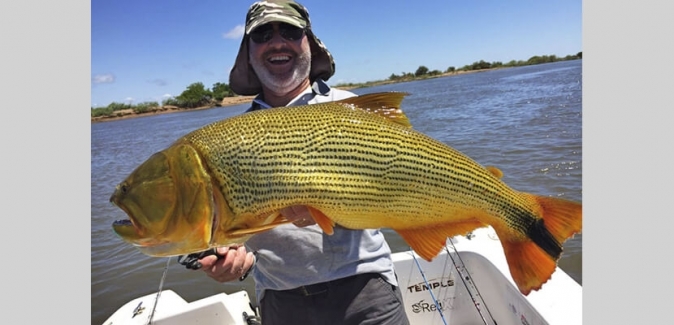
(289,256)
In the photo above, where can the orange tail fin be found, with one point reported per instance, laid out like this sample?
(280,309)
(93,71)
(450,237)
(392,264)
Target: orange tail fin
(563,218)
(533,260)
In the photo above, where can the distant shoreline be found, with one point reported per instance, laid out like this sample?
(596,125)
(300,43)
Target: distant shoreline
(238,100)
(129,113)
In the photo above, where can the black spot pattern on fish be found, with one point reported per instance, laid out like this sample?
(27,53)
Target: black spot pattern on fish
(348,161)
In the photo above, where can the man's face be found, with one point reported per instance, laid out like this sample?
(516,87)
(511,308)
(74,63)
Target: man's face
(280,55)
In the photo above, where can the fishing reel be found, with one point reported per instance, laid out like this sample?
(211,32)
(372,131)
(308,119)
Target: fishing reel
(191,261)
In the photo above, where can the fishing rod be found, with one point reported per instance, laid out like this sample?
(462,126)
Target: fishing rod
(435,301)
(161,285)
(477,296)
(464,277)
(191,262)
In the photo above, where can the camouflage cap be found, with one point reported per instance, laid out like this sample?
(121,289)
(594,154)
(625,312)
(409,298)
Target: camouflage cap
(264,12)
(242,78)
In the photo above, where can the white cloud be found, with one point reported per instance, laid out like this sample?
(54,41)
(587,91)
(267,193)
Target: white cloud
(129,99)
(234,33)
(103,78)
(167,96)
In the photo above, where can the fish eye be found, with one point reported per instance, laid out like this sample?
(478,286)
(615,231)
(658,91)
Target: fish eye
(124,188)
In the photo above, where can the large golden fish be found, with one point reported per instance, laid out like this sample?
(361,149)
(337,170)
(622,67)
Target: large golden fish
(356,163)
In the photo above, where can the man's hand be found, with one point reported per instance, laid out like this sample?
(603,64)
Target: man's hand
(299,215)
(233,263)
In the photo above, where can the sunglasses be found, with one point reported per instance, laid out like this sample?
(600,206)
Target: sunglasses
(264,33)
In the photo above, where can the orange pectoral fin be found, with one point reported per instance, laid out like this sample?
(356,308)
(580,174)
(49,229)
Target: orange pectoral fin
(253,231)
(272,221)
(322,220)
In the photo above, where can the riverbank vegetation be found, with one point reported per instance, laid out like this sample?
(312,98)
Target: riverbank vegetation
(197,95)
(423,72)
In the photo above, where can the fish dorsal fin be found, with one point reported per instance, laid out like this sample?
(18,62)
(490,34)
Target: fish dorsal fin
(384,104)
(495,171)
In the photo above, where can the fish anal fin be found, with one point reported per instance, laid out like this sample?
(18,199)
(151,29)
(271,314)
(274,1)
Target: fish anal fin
(495,171)
(384,104)
(273,217)
(530,266)
(429,241)
(322,220)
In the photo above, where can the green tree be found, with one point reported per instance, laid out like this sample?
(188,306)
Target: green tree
(101,111)
(170,102)
(542,59)
(221,90)
(194,96)
(115,106)
(145,107)
(450,69)
(422,70)
(482,64)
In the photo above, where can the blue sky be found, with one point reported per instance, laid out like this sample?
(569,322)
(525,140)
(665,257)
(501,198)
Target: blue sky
(148,50)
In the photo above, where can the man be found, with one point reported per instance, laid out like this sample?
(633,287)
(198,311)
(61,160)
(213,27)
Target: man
(303,276)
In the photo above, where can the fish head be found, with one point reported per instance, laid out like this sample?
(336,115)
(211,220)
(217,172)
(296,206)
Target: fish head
(169,202)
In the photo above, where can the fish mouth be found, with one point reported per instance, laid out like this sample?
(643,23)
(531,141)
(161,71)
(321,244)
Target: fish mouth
(122,223)
(126,229)
(129,229)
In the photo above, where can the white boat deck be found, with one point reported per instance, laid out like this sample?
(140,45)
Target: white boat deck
(559,301)
(488,285)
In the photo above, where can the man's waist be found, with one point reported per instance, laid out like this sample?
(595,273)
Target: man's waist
(318,288)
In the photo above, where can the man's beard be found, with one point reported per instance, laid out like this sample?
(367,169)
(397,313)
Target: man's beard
(281,84)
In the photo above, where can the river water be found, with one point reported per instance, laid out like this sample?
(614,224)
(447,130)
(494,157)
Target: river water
(527,121)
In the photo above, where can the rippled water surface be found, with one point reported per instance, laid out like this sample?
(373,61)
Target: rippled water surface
(526,121)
